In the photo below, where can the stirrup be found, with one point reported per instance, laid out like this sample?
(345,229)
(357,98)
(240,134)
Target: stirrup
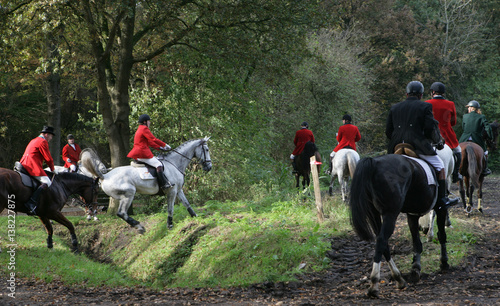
(167,185)
(31,209)
(447,202)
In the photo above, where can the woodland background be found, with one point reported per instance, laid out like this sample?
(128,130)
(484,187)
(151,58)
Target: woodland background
(246,73)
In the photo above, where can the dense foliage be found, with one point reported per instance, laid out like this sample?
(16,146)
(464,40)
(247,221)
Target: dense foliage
(246,74)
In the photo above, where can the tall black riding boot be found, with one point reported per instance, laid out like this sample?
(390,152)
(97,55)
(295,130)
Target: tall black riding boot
(486,171)
(294,164)
(443,200)
(458,159)
(32,203)
(163,182)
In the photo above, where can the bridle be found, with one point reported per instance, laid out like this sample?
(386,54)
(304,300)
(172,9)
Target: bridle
(204,161)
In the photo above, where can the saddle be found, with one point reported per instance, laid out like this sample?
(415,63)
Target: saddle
(408,151)
(405,149)
(150,174)
(27,179)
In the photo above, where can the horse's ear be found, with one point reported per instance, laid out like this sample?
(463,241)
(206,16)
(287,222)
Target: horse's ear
(207,138)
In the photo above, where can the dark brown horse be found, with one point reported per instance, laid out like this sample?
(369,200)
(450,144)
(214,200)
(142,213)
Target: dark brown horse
(471,169)
(13,195)
(492,143)
(304,165)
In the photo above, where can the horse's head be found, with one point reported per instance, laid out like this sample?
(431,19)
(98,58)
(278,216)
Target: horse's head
(86,187)
(203,155)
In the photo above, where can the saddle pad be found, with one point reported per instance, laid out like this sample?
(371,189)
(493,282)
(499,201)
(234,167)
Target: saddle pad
(427,169)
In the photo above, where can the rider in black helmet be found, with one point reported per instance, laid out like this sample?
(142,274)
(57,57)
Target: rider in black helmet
(445,113)
(473,124)
(412,122)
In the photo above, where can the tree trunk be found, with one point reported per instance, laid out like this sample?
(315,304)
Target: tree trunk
(53,92)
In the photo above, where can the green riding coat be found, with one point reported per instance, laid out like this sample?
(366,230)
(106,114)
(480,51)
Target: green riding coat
(474,125)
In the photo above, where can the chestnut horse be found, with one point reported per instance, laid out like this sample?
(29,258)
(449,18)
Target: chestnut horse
(14,194)
(471,169)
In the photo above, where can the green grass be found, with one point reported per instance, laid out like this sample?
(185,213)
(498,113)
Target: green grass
(266,238)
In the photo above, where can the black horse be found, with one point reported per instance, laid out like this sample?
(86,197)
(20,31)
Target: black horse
(304,165)
(381,189)
(13,195)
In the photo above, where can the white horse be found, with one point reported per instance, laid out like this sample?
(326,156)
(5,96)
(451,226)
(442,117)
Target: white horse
(343,166)
(426,222)
(122,183)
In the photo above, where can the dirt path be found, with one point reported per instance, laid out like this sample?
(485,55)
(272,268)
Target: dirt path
(477,282)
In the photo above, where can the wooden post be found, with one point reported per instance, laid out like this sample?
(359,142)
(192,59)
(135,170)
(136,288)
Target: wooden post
(317,191)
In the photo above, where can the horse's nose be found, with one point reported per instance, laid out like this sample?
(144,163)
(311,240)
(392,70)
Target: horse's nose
(208,167)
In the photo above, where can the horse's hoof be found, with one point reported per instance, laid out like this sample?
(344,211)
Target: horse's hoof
(89,217)
(444,266)
(480,210)
(414,277)
(372,293)
(140,229)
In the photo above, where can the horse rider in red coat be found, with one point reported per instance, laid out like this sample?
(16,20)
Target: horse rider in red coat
(71,154)
(35,154)
(347,137)
(144,139)
(411,121)
(302,136)
(445,113)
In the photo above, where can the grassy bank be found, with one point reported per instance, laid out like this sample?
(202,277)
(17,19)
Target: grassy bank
(229,244)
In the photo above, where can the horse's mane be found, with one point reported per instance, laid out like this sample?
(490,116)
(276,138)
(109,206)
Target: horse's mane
(69,176)
(182,145)
(91,161)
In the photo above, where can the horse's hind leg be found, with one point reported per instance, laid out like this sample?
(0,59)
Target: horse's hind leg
(417,248)
(382,248)
(441,219)
(480,197)
(125,203)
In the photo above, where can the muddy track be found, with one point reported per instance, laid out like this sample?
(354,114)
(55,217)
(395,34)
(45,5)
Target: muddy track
(475,282)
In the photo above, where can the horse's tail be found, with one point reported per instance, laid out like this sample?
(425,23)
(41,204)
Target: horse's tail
(472,166)
(365,218)
(91,161)
(352,160)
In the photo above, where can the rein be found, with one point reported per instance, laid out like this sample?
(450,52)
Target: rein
(204,161)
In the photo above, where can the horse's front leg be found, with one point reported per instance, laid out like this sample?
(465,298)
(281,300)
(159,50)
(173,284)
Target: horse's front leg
(170,207)
(441,220)
(185,202)
(125,203)
(417,248)
(49,230)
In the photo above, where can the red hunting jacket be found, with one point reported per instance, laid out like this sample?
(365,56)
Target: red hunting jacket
(302,136)
(348,135)
(72,154)
(144,139)
(445,113)
(35,154)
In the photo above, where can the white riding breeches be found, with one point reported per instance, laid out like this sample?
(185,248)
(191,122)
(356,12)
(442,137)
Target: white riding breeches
(72,168)
(458,149)
(44,180)
(434,160)
(154,162)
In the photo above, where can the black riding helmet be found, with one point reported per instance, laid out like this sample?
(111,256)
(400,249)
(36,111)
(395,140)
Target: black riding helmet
(415,88)
(143,118)
(438,87)
(474,104)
